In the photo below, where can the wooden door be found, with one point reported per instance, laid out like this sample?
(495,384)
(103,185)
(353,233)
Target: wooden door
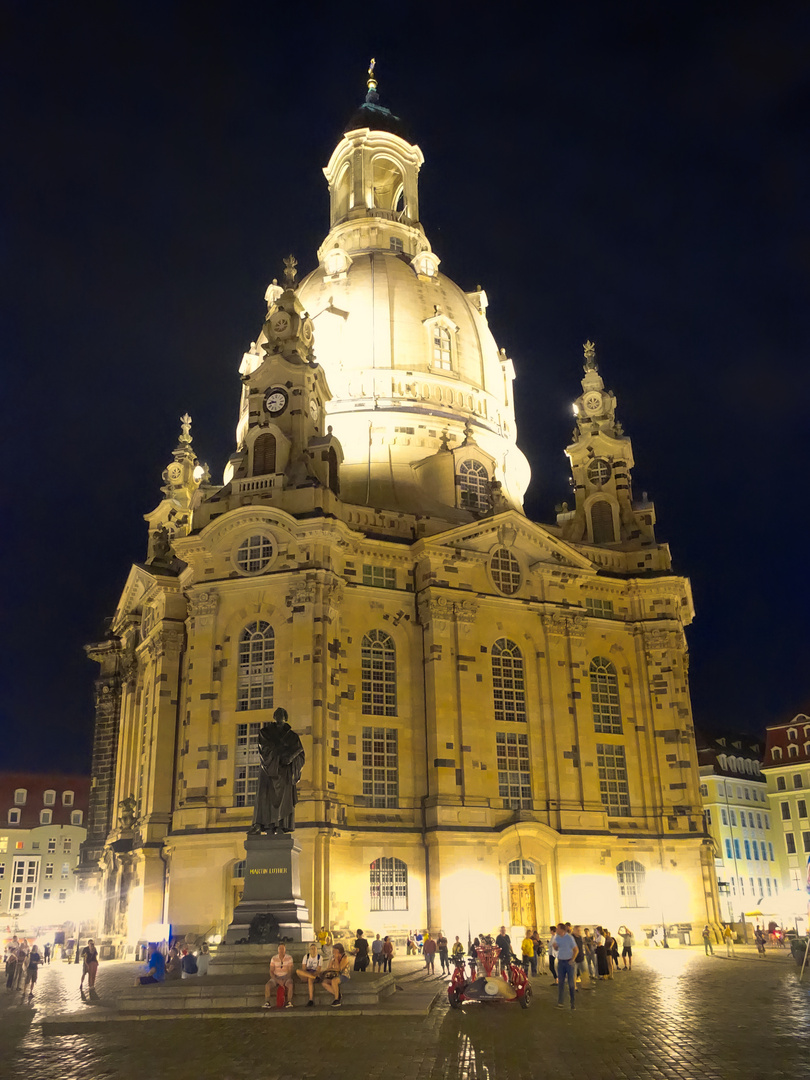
(524,910)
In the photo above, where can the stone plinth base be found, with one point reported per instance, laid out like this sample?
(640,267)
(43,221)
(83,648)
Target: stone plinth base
(271,909)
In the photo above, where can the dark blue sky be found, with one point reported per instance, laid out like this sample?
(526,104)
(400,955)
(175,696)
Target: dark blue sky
(633,173)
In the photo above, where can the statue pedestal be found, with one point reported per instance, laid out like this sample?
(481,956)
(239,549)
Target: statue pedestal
(271,908)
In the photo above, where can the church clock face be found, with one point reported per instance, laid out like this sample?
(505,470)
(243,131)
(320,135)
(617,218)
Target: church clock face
(275,400)
(280,323)
(593,402)
(174,472)
(313,410)
(306,332)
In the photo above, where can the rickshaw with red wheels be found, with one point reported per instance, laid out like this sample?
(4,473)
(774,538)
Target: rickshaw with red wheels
(507,988)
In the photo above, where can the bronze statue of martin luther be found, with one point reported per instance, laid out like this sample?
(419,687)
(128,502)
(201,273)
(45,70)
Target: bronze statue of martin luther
(282,758)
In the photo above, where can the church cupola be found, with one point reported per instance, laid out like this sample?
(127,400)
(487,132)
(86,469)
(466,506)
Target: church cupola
(373,187)
(601,458)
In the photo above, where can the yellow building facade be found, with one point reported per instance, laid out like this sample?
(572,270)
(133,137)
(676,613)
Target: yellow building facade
(495,713)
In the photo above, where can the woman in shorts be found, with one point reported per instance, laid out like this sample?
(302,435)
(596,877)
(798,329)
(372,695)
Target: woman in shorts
(336,974)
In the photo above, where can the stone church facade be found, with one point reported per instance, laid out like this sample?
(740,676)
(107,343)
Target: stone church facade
(495,713)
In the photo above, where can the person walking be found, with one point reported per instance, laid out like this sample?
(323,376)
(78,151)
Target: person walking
(565,952)
(89,964)
(46,953)
(31,972)
(707,941)
(728,938)
(504,943)
(429,952)
(11,966)
(388,953)
(376,953)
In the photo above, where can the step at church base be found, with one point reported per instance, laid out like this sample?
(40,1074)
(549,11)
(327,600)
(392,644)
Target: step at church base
(244,990)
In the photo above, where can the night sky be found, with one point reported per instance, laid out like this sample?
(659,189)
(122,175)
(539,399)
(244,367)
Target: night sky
(633,173)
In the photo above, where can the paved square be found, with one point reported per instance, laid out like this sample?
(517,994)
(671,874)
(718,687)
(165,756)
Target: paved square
(678,1015)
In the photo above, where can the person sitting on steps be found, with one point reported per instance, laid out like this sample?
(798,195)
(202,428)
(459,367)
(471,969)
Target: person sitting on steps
(336,974)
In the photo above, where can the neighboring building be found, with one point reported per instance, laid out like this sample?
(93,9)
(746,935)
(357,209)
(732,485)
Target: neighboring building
(787,770)
(42,826)
(496,713)
(739,820)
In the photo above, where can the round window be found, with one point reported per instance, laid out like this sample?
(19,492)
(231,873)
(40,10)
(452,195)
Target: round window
(505,571)
(599,471)
(254,554)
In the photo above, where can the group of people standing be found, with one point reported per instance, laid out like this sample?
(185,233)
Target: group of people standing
(22,964)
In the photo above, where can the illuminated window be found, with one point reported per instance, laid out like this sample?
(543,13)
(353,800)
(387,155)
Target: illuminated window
(607,716)
(264,455)
(49,798)
(45,817)
(790,841)
(381,577)
(602,522)
(3,845)
(474,486)
(14,817)
(631,876)
(24,880)
(602,609)
(76,817)
(246,764)
(514,773)
(613,786)
(507,681)
(65,870)
(599,472)
(67,798)
(254,554)
(380,767)
(254,682)
(521,868)
(505,571)
(20,795)
(442,348)
(388,885)
(378,674)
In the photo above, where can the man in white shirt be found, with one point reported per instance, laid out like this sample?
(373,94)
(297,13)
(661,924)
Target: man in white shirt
(627,947)
(281,974)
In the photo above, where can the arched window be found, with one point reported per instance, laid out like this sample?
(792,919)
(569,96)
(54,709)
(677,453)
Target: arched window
(342,193)
(505,571)
(239,869)
(67,798)
(602,522)
(521,868)
(254,682)
(334,482)
(793,750)
(264,454)
(442,348)
(14,817)
(507,681)
(387,185)
(20,795)
(45,817)
(473,482)
(776,753)
(388,885)
(631,876)
(379,674)
(77,817)
(607,716)
(49,797)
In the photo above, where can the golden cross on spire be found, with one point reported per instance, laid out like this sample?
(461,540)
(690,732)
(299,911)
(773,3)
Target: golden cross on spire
(290,264)
(372,78)
(185,435)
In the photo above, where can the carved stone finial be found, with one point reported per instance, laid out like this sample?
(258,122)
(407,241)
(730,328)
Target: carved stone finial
(185,435)
(590,356)
(469,439)
(290,272)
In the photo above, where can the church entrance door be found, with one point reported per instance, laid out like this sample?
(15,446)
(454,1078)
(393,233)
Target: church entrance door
(524,910)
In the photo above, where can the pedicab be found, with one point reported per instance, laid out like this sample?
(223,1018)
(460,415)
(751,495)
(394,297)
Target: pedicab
(510,986)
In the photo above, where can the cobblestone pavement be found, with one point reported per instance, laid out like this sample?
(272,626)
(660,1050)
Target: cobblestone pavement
(678,1015)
